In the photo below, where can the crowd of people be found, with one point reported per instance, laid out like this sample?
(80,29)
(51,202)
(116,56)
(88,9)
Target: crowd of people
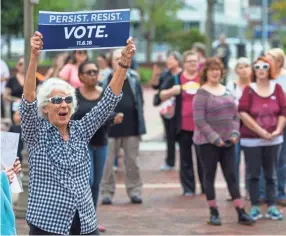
(248,114)
(75,120)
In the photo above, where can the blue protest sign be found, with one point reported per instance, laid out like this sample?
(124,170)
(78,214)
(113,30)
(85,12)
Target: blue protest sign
(84,30)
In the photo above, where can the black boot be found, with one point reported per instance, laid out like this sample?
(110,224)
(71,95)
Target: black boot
(243,217)
(214,217)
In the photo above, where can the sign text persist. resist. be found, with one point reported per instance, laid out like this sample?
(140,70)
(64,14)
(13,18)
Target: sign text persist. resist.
(84,30)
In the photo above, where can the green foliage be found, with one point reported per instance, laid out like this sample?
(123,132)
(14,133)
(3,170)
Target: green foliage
(183,40)
(163,31)
(46,62)
(145,75)
(12,17)
(159,13)
(279,9)
(55,5)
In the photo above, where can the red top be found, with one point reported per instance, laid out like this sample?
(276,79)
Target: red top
(265,110)
(189,89)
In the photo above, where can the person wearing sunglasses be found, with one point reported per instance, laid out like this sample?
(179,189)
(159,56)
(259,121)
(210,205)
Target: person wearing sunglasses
(277,57)
(88,96)
(69,72)
(60,198)
(216,132)
(262,108)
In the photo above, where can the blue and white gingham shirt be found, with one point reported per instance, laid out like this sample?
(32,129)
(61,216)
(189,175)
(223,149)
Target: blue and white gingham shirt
(59,170)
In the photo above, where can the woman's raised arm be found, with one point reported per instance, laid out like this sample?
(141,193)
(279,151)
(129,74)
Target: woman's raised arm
(119,76)
(30,80)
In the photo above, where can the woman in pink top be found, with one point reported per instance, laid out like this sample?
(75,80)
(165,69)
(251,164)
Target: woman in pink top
(184,87)
(70,71)
(262,108)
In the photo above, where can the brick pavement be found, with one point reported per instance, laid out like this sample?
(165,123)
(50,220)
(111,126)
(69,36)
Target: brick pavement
(165,211)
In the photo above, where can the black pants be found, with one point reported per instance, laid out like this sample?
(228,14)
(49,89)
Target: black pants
(75,228)
(170,131)
(2,107)
(265,157)
(187,174)
(210,156)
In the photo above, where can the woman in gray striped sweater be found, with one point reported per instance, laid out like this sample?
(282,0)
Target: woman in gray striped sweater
(216,133)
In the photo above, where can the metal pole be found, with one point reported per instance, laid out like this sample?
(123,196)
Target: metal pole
(28,29)
(264,24)
(242,16)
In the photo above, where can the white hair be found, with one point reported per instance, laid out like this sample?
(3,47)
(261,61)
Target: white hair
(45,89)
(242,61)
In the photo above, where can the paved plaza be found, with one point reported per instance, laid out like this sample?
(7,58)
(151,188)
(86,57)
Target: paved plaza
(164,210)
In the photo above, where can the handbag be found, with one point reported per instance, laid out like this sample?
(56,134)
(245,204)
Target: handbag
(156,100)
(168,107)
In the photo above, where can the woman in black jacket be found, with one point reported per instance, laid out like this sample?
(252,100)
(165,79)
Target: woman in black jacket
(88,96)
(158,79)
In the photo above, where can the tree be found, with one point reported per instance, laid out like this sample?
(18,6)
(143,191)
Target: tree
(156,14)
(279,13)
(183,40)
(279,10)
(12,21)
(55,5)
(210,25)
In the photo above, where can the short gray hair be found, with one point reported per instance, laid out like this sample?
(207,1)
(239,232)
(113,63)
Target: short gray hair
(242,61)
(45,89)
(177,56)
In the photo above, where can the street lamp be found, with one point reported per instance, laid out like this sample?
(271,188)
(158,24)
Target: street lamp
(28,27)
(264,24)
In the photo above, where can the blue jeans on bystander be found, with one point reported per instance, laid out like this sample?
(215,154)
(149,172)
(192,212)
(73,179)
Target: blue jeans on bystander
(281,171)
(98,157)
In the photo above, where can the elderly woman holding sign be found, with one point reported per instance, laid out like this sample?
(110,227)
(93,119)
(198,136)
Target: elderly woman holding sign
(60,200)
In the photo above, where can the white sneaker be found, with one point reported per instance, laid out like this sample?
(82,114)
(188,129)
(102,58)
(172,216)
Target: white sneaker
(166,167)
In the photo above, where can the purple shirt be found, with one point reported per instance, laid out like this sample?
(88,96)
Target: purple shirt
(214,116)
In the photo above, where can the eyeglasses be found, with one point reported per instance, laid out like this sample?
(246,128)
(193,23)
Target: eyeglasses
(91,72)
(191,61)
(261,66)
(59,100)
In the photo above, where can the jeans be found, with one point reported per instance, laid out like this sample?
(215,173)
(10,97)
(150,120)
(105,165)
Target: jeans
(281,174)
(210,156)
(281,171)
(265,157)
(98,157)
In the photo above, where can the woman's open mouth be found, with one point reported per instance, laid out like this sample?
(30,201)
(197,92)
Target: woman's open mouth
(62,114)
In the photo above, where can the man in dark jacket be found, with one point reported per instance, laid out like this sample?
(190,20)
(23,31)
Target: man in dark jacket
(127,136)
